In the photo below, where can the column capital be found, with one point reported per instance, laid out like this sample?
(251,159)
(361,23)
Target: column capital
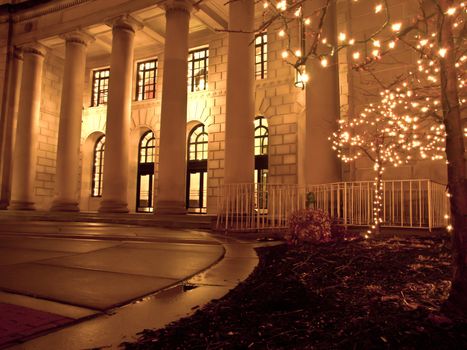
(18,53)
(78,36)
(34,48)
(178,5)
(125,22)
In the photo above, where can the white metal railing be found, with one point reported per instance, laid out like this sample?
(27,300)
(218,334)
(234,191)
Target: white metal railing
(406,203)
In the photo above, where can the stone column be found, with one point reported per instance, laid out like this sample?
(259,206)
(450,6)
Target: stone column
(322,112)
(171,196)
(69,134)
(25,154)
(117,131)
(11,114)
(240,109)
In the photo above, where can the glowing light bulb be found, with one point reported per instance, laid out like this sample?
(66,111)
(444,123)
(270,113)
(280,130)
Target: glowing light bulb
(451,11)
(285,54)
(298,53)
(281,32)
(342,36)
(356,55)
(324,61)
(396,27)
(442,52)
(378,8)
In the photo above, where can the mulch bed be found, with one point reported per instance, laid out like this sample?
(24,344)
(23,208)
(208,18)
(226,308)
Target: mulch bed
(375,294)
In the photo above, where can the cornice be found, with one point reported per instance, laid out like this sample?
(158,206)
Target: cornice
(46,9)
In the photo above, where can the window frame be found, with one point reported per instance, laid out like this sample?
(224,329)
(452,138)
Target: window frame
(151,157)
(262,72)
(99,172)
(196,143)
(100,91)
(262,137)
(191,68)
(143,78)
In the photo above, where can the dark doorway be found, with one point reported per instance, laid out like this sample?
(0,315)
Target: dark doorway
(145,181)
(261,161)
(197,167)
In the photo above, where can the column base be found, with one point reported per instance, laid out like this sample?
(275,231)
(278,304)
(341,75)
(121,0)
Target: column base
(58,205)
(170,208)
(4,204)
(111,206)
(20,205)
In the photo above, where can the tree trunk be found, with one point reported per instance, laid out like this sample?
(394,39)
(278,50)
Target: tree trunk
(378,199)
(455,153)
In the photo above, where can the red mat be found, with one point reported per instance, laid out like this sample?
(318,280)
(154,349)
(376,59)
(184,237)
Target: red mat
(18,323)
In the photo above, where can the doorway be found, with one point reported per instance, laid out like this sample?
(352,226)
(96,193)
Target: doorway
(145,177)
(197,170)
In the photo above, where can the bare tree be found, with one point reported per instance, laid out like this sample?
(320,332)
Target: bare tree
(393,132)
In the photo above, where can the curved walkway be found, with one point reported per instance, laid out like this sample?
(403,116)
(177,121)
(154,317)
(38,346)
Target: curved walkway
(84,285)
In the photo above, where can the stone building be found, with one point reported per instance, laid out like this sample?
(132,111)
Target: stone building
(174,103)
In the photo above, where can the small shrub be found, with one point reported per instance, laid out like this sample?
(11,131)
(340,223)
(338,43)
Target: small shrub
(308,226)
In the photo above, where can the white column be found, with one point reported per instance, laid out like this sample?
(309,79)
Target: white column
(69,134)
(172,154)
(117,132)
(239,124)
(322,112)
(25,154)
(9,132)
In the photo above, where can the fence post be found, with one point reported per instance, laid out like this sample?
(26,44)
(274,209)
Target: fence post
(430,217)
(345,204)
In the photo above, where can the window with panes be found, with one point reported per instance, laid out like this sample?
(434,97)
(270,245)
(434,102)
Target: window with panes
(98,167)
(100,87)
(198,61)
(261,56)
(198,144)
(146,80)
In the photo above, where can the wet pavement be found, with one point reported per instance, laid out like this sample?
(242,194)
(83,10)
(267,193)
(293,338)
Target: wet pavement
(57,274)
(75,285)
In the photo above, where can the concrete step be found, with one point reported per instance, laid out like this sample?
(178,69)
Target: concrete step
(189,221)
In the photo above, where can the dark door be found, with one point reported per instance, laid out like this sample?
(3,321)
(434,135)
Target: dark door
(145,177)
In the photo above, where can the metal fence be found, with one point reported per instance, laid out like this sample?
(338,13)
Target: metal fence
(406,203)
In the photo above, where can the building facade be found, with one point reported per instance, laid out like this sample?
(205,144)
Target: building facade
(152,106)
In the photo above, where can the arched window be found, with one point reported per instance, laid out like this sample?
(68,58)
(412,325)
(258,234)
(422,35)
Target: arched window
(98,167)
(147,147)
(261,160)
(261,136)
(197,167)
(145,180)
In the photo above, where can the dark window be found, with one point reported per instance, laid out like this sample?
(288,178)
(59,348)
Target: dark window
(197,172)
(198,61)
(261,56)
(145,181)
(146,80)
(98,167)
(100,87)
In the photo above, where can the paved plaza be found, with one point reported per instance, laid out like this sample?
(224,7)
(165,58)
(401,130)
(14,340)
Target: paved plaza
(54,274)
